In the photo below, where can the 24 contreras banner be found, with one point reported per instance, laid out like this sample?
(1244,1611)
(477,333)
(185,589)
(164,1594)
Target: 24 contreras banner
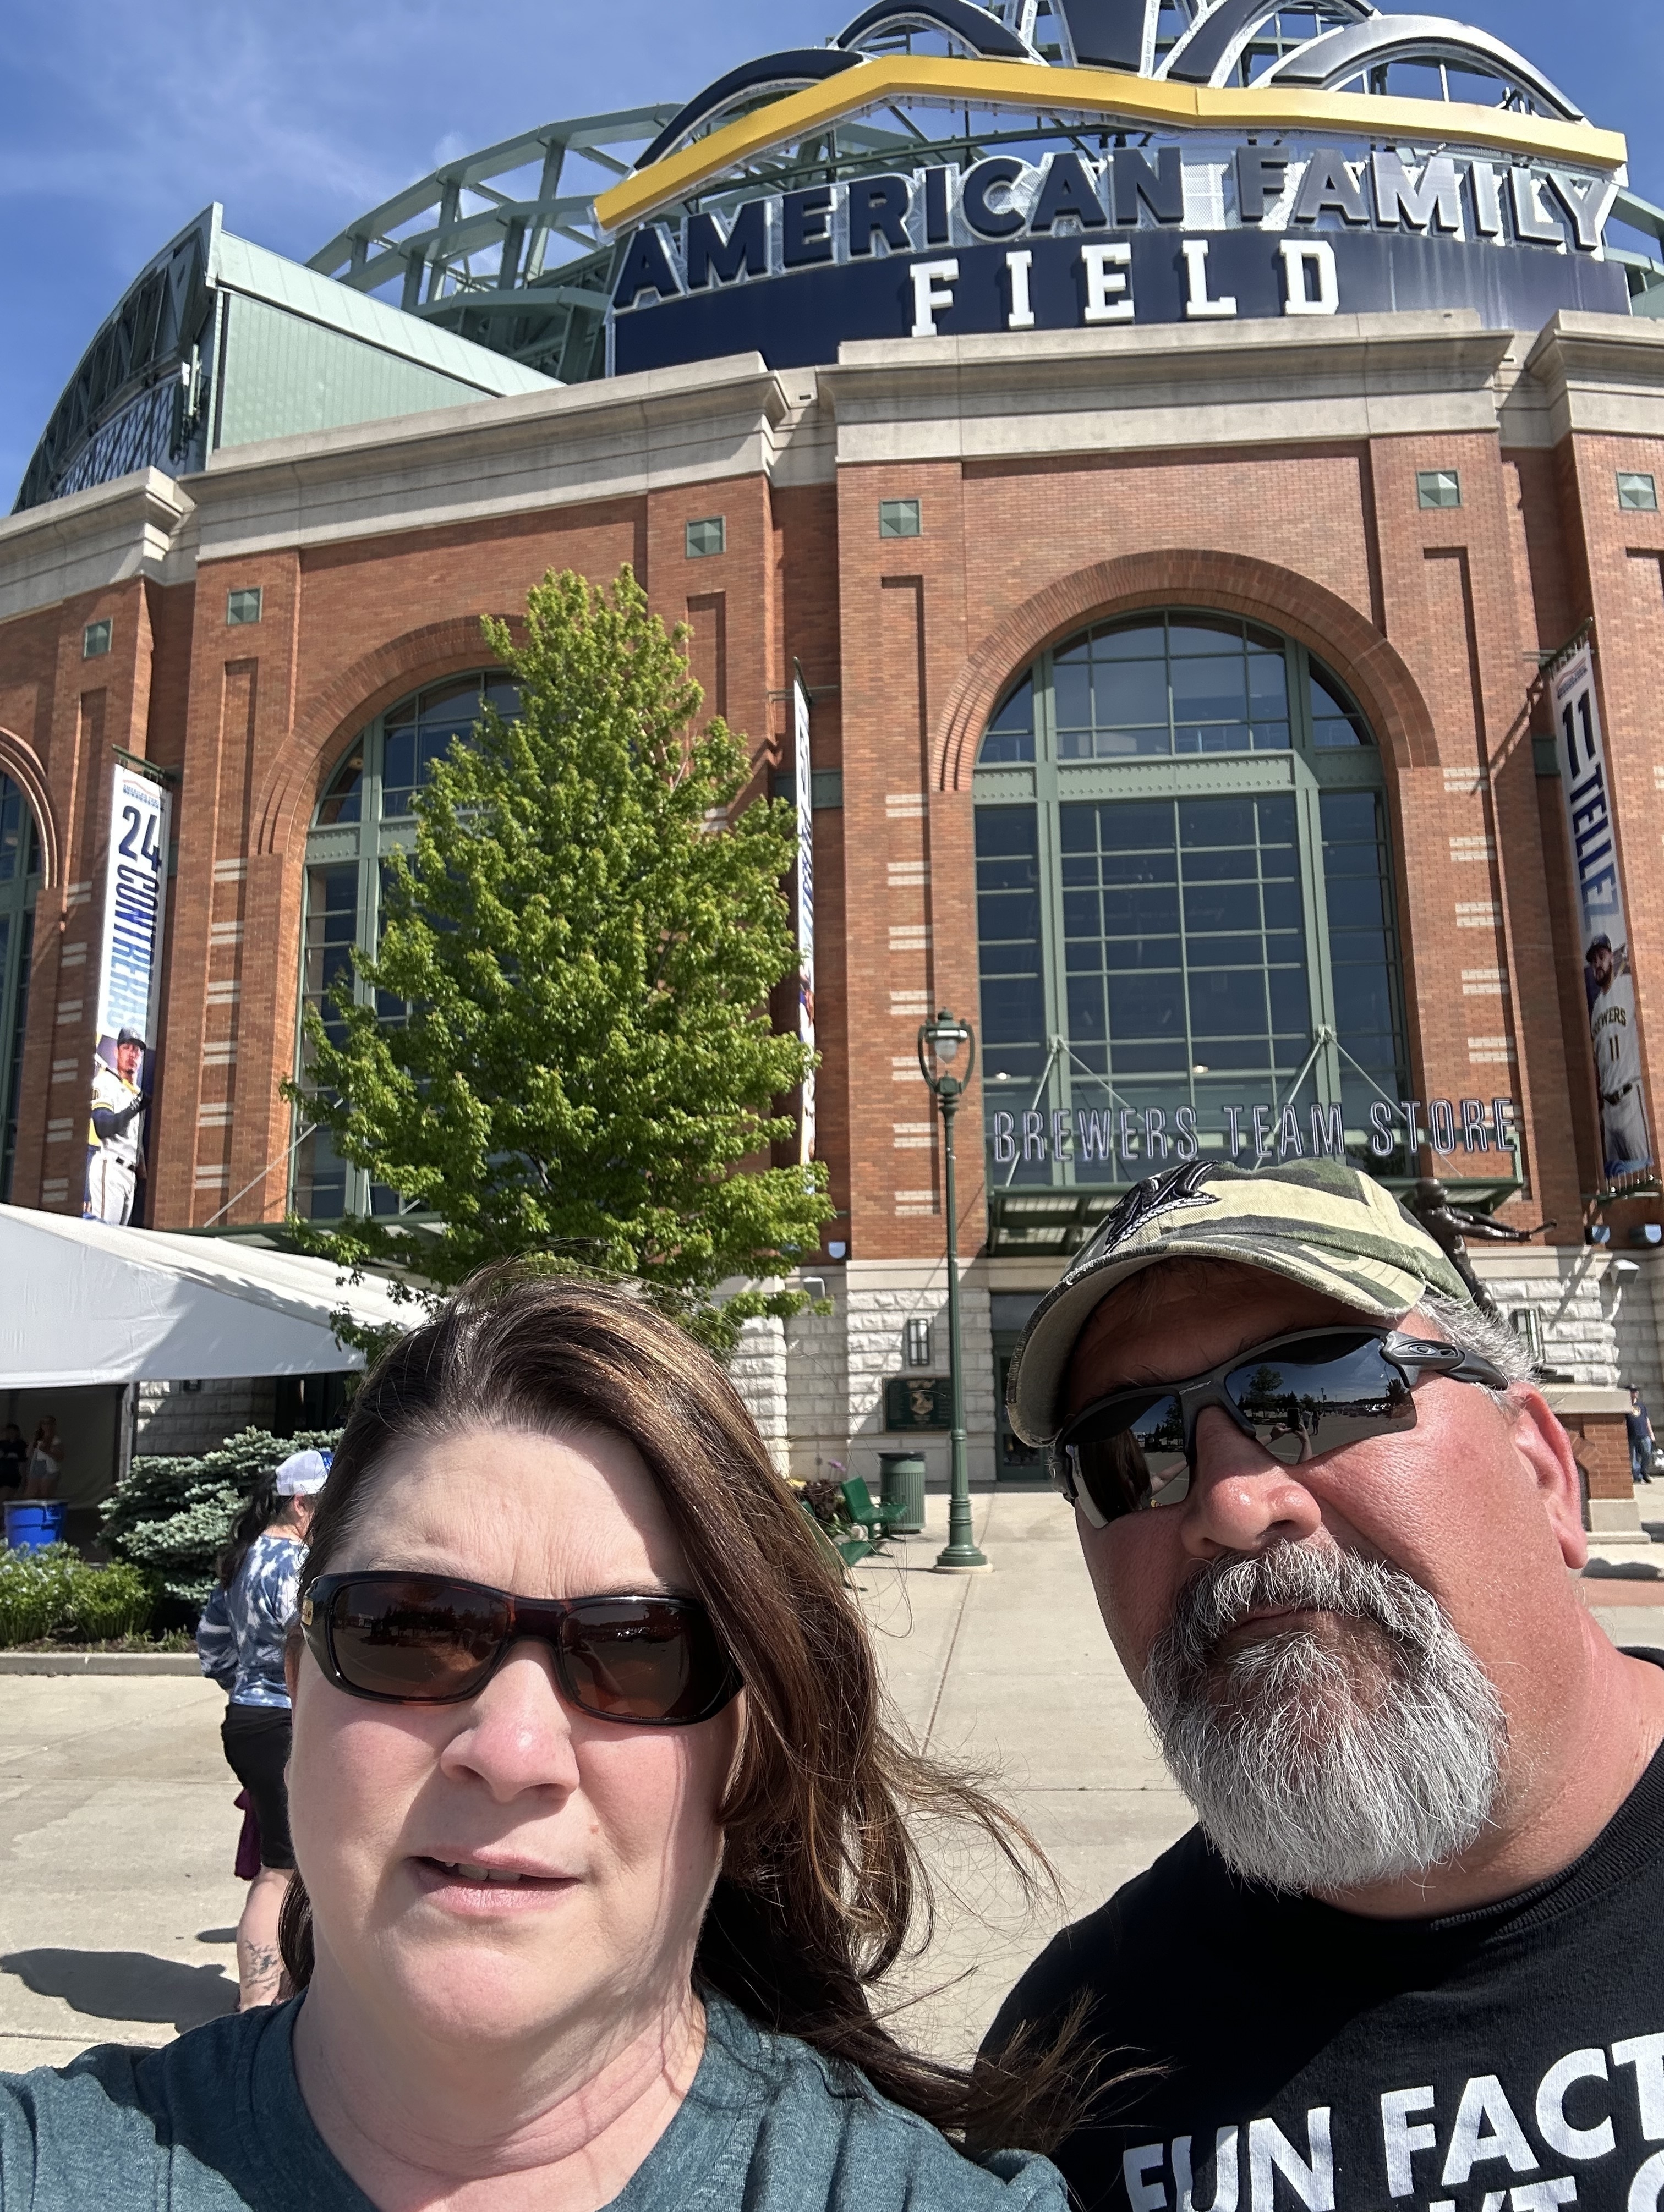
(129,991)
(1603,937)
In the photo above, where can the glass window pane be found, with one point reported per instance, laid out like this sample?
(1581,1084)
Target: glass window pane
(1226,822)
(398,769)
(1139,641)
(1130,694)
(1268,684)
(457,700)
(1196,636)
(1071,694)
(321,1179)
(12,814)
(1209,690)
(1011,732)
(343,800)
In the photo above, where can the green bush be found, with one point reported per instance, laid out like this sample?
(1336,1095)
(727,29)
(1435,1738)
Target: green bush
(109,1603)
(53,1592)
(35,1591)
(171,1517)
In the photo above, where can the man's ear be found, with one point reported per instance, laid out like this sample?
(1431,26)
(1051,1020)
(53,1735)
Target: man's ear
(1546,1449)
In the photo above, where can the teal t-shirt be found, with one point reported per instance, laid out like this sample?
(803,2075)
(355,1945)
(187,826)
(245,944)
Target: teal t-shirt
(215,2123)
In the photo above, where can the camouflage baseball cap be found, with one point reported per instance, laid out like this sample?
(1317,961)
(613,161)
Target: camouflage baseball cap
(1318,1222)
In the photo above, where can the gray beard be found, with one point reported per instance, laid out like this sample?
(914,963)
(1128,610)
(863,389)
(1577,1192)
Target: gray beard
(1327,1763)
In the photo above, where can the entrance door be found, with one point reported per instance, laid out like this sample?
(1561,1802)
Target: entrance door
(1013,1461)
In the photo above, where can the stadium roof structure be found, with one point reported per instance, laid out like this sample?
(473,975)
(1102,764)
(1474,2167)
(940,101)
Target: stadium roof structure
(219,342)
(493,273)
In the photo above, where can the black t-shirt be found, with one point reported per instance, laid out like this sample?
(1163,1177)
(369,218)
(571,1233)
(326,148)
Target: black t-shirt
(1268,2053)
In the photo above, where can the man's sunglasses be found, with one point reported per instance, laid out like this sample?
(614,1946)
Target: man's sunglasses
(1298,1397)
(653,1661)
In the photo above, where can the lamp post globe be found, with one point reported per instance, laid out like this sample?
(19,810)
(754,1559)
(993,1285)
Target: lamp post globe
(939,1043)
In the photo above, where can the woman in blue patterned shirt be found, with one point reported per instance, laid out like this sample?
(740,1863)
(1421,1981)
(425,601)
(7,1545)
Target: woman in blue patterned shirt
(240,1642)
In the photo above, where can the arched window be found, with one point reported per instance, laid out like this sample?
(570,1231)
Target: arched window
(364,815)
(20,879)
(1186,912)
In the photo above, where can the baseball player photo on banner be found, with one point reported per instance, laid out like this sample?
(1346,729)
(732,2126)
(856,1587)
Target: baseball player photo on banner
(129,988)
(1603,932)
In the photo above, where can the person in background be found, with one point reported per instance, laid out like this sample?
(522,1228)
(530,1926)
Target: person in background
(1643,1444)
(14,1459)
(46,1460)
(241,1644)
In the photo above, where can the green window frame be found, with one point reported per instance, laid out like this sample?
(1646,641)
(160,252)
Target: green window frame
(363,816)
(19,885)
(1186,900)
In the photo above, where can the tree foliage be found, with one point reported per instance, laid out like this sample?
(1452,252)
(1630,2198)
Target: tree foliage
(172,1516)
(586,937)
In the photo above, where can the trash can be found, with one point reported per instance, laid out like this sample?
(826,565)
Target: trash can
(902,1482)
(30,1527)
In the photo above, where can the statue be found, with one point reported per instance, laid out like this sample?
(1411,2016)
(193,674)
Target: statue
(1446,1223)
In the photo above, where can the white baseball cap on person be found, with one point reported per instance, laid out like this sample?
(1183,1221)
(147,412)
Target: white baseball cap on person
(303,1474)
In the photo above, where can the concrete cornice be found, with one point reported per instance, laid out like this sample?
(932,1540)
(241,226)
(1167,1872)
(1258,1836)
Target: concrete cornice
(88,540)
(1600,373)
(1214,384)
(583,442)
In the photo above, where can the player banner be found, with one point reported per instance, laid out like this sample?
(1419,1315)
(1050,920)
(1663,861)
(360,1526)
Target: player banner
(129,993)
(805,793)
(1603,939)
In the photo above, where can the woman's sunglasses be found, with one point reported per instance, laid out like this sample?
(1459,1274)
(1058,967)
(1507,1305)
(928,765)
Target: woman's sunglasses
(652,1661)
(1298,1397)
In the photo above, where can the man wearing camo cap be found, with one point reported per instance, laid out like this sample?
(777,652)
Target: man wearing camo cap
(1413,1953)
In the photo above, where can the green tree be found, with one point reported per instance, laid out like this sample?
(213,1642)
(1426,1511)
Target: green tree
(173,1517)
(586,938)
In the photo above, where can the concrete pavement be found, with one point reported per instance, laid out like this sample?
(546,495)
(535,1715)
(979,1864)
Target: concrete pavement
(117,1830)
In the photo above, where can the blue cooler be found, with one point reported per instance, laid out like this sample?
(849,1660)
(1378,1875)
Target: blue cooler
(30,1526)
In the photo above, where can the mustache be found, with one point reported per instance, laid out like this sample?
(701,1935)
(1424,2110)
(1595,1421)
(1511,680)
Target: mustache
(1227,1592)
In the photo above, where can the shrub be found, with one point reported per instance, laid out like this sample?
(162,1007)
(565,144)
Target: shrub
(53,1592)
(110,1602)
(171,1517)
(35,1591)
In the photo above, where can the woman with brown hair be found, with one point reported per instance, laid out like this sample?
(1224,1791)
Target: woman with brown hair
(602,1839)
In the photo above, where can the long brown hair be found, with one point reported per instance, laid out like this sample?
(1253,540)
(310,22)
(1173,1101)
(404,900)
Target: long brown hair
(822,1887)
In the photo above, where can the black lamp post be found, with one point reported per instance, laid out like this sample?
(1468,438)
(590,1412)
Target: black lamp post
(939,1043)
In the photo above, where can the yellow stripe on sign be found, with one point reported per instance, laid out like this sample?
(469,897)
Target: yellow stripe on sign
(1033,86)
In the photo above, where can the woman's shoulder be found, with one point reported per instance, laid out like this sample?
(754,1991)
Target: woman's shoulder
(806,2133)
(127,2129)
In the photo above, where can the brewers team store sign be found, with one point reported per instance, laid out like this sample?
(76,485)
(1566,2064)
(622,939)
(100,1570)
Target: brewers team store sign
(1266,201)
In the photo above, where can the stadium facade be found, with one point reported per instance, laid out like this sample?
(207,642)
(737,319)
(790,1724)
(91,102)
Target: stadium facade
(1176,486)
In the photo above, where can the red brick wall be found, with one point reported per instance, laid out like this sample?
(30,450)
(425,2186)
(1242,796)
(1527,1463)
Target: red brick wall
(1430,615)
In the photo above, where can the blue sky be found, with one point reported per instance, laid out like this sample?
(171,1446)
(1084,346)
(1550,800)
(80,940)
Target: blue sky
(121,123)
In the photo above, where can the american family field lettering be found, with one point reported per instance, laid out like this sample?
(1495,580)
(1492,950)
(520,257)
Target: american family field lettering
(1206,233)
(1591,2104)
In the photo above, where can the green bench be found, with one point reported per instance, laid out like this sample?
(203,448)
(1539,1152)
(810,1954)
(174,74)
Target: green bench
(866,1514)
(871,1523)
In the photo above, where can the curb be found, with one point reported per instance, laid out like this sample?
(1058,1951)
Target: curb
(99,1663)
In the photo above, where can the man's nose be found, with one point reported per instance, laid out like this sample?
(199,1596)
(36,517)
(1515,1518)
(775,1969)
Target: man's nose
(1241,1499)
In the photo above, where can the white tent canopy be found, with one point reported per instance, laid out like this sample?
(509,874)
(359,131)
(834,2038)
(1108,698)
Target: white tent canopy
(83,1303)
